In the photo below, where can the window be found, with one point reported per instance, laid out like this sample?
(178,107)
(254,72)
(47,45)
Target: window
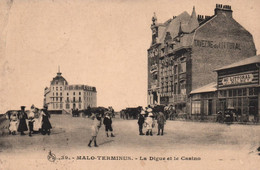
(253,91)
(60,88)
(61,106)
(67,106)
(73,99)
(60,94)
(68,99)
(80,99)
(79,106)
(79,93)
(183,67)
(67,94)
(57,88)
(73,93)
(56,94)
(196,107)
(56,98)
(61,99)
(52,88)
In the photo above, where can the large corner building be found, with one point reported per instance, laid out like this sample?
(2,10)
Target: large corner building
(187,48)
(62,97)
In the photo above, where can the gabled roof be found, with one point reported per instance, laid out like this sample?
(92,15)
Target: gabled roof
(211,87)
(247,61)
(174,25)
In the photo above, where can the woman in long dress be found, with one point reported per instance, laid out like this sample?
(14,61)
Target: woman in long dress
(22,122)
(46,125)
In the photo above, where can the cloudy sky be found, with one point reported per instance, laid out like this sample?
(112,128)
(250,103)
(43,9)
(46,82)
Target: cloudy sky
(101,44)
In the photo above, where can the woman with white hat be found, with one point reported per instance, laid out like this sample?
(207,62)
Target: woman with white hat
(149,123)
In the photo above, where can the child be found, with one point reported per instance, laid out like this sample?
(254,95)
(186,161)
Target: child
(95,128)
(13,123)
(108,124)
(149,124)
(31,120)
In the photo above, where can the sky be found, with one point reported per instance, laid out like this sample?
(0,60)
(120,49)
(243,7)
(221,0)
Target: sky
(97,43)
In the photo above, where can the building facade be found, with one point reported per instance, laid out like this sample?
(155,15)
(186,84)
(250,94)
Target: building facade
(187,48)
(237,87)
(61,96)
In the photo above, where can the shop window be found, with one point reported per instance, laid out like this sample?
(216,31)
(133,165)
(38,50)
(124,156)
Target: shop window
(230,93)
(222,93)
(244,92)
(196,105)
(230,102)
(239,92)
(234,92)
(253,91)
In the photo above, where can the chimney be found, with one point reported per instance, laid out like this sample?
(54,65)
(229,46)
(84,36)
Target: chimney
(200,18)
(223,9)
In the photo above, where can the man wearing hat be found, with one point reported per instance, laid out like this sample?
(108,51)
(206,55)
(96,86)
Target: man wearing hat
(31,120)
(160,121)
(141,122)
(22,123)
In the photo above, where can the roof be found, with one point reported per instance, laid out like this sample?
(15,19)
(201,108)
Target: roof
(59,79)
(247,61)
(211,87)
(174,25)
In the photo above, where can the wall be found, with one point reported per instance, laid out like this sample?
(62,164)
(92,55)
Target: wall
(219,42)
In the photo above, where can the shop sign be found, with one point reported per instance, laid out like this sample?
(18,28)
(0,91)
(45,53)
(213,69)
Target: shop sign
(239,79)
(217,45)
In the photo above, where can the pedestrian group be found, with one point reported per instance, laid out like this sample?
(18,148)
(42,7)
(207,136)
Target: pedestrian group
(36,119)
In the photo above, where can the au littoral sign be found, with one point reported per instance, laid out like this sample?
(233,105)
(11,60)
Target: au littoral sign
(239,79)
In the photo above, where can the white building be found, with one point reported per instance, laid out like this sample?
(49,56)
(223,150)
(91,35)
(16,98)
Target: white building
(61,96)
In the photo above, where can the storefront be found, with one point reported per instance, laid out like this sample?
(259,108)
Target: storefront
(203,102)
(238,87)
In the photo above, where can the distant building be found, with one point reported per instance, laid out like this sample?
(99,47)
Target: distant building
(186,49)
(61,96)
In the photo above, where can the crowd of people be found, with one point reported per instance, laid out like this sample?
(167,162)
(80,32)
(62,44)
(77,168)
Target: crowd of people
(35,120)
(146,120)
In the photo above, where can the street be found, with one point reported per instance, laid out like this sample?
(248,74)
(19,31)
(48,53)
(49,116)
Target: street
(192,143)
